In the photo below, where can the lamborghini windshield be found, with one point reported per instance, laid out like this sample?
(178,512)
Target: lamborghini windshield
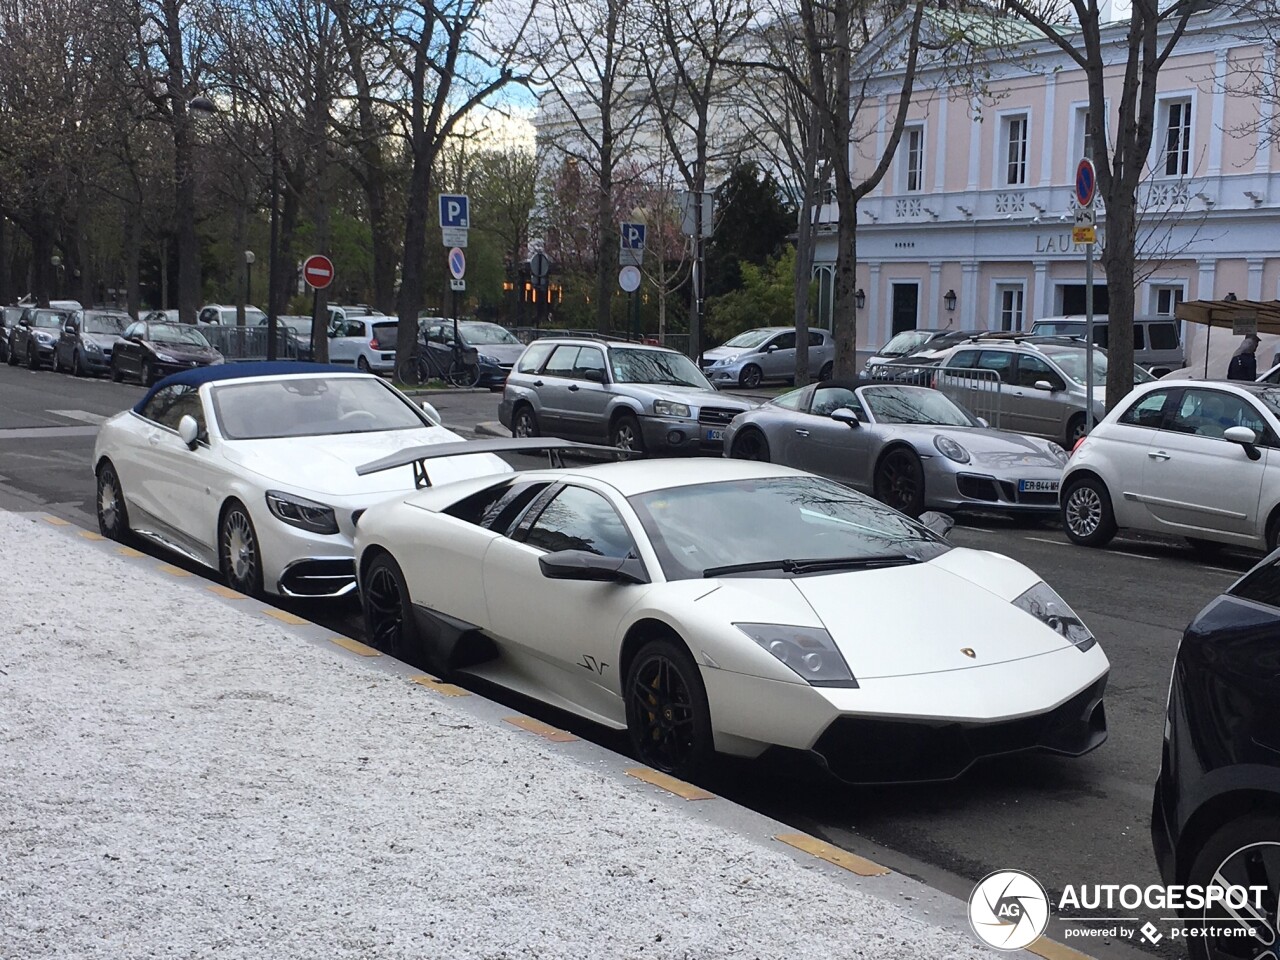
(310,407)
(777,526)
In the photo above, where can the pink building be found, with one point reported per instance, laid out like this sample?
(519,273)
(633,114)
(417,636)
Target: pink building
(983,208)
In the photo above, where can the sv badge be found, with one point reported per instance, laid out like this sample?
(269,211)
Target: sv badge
(589,662)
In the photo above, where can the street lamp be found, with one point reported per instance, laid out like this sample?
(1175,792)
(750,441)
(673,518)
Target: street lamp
(56,262)
(249,258)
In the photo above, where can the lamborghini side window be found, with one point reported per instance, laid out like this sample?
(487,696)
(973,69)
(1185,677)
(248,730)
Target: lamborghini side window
(580,519)
(496,507)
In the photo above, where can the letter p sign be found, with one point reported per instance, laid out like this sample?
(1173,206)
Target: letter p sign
(454,211)
(633,236)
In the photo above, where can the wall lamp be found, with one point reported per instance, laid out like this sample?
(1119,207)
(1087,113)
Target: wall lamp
(859,299)
(949,301)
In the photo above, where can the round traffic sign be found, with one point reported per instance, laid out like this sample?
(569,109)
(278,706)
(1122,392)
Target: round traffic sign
(457,263)
(629,279)
(1086,183)
(318,271)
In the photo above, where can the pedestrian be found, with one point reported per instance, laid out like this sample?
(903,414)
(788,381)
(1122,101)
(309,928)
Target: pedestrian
(1244,365)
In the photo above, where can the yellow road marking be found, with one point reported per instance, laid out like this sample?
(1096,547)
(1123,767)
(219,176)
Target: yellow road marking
(355,646)
(544,730)
(129,552)
(439,686)
(90,535)
(284,616)
(1052,950)
(173,571)
(225,592)
(681,789)
(57,521)
(841,858)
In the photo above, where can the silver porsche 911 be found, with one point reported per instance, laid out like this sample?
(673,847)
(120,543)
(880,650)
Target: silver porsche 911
(910,447)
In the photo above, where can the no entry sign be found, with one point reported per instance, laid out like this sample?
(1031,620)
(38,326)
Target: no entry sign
(318,271)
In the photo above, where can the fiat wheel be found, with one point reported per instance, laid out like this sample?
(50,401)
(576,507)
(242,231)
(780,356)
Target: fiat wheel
(239,556)
(1087,517)
(388,612)
(113,517)
(668,719)
(900,482)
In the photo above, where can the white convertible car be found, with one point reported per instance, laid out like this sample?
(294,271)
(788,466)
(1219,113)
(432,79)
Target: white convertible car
(723,605)
(250,469)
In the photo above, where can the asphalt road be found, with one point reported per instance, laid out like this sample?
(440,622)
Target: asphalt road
(1062,820)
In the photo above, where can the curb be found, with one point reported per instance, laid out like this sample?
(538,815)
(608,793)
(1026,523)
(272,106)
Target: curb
(492,428)
(922,904)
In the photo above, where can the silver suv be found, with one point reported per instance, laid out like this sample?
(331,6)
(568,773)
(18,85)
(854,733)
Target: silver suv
(1156,345)
(631,396)
(1038,384)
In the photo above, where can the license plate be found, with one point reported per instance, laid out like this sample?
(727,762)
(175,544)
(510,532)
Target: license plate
(1038,486)
(715,434)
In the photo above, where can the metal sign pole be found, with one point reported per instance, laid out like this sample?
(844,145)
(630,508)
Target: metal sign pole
(1088,335)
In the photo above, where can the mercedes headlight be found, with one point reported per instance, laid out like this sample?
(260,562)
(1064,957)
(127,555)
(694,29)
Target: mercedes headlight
(1043,603)
(808,651)
(666,408)
(301,512)
(950,449)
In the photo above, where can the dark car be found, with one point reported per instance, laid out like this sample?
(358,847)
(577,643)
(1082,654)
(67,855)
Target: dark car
(149,351)
(33,340)
(1215,816)
(87,339)
(298,346)
(496,348)
(9,318)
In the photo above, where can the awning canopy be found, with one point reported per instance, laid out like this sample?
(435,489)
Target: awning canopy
(1227,313)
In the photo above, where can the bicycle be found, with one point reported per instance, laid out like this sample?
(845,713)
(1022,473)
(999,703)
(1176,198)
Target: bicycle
(462,369)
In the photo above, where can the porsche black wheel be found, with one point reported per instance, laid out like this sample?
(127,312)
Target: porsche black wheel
(113,517)
(239,555)
(668,718)
(900,482)
(750,445)
(388,612)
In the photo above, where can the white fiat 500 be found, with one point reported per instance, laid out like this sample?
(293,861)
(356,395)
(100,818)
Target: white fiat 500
(251,469)
(1194,459)
(731,606)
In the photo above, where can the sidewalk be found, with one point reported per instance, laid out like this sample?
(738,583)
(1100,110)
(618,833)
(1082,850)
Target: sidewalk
(181,775)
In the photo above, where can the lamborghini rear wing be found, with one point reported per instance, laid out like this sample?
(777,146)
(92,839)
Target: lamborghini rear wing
(553,447)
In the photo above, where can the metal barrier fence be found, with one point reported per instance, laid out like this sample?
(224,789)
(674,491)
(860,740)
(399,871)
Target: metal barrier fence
(981,392)
(250,342)
(676,341)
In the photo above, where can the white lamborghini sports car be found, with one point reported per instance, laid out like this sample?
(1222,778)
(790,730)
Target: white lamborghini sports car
(249,468)
(733,606)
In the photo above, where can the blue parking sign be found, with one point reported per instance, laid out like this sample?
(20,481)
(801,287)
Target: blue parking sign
(633,236)
(453,210)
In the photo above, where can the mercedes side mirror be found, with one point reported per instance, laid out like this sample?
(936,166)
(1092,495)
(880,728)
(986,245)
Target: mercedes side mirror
(1246,438)
(939,523)
(432,413)
(583,565)
(1044,385)
(846,416)
(189,431)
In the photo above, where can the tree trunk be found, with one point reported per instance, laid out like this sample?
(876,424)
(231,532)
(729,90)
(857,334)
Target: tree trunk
(384,248)
(804,253)
(413,266)
(286,276)
(133,261)
(44,274)
(184,210)
(4,262)
(606,240)
(1118,261)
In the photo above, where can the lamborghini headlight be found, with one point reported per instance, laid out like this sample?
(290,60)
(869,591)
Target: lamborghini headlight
(301,512)
(809,651)
(666,408)
(1043,603)
(950,449)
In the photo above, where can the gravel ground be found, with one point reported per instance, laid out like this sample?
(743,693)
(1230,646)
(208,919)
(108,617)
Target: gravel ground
(179,778)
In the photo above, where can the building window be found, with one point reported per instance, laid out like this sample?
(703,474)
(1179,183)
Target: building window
(1084,137)
(1010,297)
(1177,138)
(1015,152)
(1165,299)
(913,159)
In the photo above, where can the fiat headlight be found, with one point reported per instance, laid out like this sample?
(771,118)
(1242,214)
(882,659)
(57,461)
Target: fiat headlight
(950,449)
(1043,603)
(808,651)
(301,512)
(666,408)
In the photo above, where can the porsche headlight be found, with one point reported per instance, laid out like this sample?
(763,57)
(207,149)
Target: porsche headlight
(301,512)
(950,449)
(666,408)
(809,651)
(1057,452)
(1043,603)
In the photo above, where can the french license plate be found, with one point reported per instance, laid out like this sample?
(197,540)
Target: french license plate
(1038,486)
(715,434)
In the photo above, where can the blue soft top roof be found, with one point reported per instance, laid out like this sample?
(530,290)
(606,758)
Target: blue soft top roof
(237,371)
